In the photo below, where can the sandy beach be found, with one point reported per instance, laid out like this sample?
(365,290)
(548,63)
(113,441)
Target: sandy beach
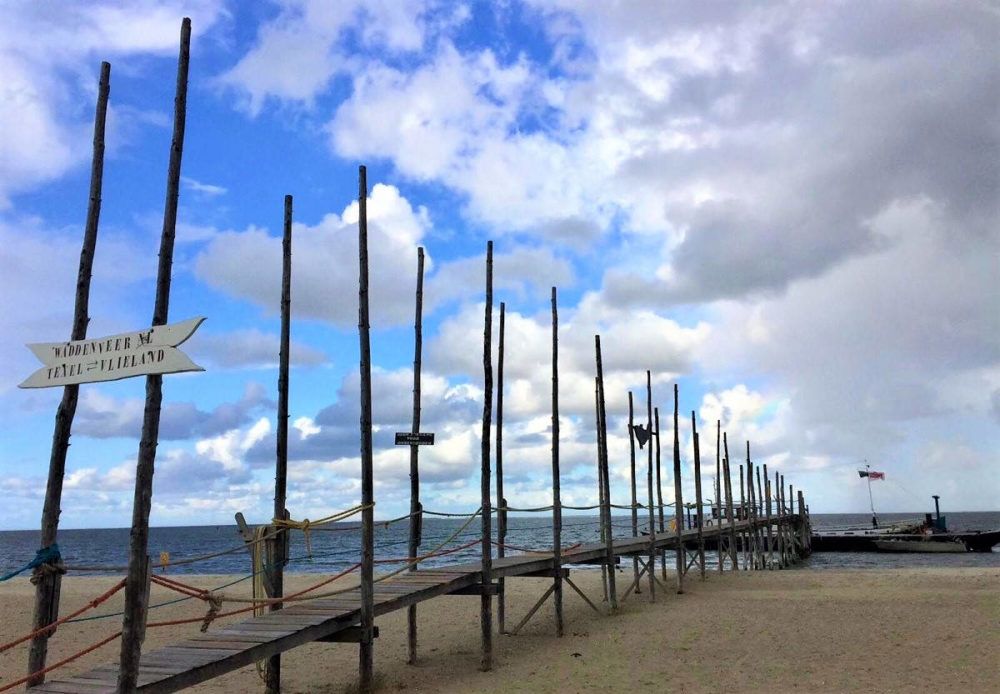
(798,630)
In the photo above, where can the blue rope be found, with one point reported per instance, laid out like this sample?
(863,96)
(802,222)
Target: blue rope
(46,555)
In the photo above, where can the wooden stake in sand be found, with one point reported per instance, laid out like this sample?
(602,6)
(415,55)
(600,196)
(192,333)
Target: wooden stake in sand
(486,600)
(635,510)
(678,498)
(48,576)
(501,501)
(742,517)
(697,495)
(651,566)
(600,482)
(767,515)
(729,503)
(556,501)
(659,493)
(612,592)
(416,510)
(718,489)
(137,581)
(276,546)
(366,648)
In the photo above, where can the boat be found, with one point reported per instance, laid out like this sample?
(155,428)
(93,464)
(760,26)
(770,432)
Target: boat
(928,535)
(925,544)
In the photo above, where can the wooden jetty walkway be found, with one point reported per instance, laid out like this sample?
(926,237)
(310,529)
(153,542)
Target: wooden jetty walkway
(209,655)
(757,528)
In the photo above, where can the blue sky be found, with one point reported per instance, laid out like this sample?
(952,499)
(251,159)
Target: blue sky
(791,210)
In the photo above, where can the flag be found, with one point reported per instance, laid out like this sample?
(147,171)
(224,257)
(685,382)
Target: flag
(871,474)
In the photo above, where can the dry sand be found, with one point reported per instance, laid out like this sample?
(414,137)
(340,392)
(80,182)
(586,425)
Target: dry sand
(800,630)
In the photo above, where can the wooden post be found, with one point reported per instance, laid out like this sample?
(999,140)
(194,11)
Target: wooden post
(416,509)
(651,567)
(752,500)
(729,501)
(659,493)
(793,539)
(678,496)
(486,600)
(742,517)
(600,482)
(612,592)
(635,511)
(718,488)
(803,525)
(767,515)
(276,545)
(366,643)
(779,520)
(501,501)
(556,500)
(697,496)
(136,593)
(760,512)
(47,577)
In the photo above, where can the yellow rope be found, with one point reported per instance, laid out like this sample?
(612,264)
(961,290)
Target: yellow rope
(306,525)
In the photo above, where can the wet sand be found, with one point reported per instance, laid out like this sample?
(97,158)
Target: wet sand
(794,630)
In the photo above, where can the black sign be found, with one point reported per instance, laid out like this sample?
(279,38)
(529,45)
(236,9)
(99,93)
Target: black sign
(405,438)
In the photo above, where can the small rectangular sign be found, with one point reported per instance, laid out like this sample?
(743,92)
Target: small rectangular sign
(406,438)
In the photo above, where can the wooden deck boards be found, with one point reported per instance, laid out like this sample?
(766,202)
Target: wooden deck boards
(206,656)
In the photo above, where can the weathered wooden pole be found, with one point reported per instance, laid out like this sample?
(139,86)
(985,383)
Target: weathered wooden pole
(635,511)
(659,493)
(752,500)
(486,600)
(793,539)
(742,516)
(48,577)
(803,525)
(718,488)
(767,516)
(501,501)
(612,592)
(600,481)
(416,509)
(678,496)
(137,581)
(779,520)
(760,512)
(729,502)
(556,497)
(651,566)
(697,496)
(276,545)
(366,643)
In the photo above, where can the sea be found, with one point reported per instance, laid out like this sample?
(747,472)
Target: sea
(332,548)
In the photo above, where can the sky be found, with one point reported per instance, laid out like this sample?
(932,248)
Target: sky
(792,210)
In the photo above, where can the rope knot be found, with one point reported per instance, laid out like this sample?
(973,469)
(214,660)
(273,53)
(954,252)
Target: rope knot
(214,605)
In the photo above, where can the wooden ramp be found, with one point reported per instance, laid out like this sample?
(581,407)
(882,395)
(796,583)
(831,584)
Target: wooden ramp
(209,655)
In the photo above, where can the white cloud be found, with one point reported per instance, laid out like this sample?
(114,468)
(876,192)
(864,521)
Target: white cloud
(324,262)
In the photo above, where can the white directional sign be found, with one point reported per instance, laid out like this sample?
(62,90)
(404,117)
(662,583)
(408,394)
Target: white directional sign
(138,353)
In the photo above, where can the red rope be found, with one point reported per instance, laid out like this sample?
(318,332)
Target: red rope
(90,605)
(60,663)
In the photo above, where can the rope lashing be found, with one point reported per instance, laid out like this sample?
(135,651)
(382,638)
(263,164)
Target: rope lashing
(47,560)
(214,605)
(306,525)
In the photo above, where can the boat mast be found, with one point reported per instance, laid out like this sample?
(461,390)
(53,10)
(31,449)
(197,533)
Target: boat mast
(871,501)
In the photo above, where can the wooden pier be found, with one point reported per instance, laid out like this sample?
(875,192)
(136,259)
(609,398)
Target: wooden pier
(215,653)
(764,527)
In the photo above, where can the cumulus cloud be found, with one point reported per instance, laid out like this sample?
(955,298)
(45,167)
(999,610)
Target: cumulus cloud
(251,348)
(324,262)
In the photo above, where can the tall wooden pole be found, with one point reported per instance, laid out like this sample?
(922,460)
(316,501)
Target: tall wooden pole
(760,513)
(272,672)
(767,515)
(556,500)
(659,493)
(678,497)
(742,517)
(610,557)
(752,510)
(730,516)
(651,567)
(416,509)
(635,511)
(600,482)
(486,600)
(366,649)
(697,496)
(501,501)
(718,488)
(137,581)
(47,577)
